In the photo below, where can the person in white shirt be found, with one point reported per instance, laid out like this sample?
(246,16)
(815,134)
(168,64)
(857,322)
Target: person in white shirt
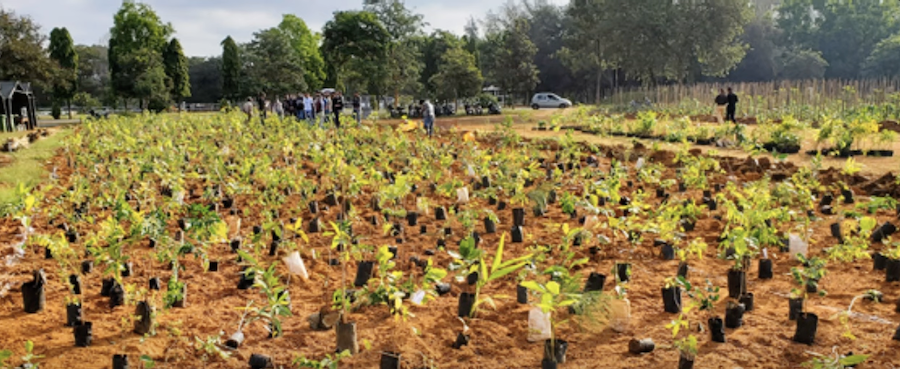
(428,116)
(308,108)
(248,108)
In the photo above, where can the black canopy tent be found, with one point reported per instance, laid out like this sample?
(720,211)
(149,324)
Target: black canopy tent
(14,97)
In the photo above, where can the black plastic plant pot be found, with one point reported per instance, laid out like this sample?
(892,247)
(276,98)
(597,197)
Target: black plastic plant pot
(154,283)
(472,278)
(682,187)
(442,288)
(501,205)
(273,248)
(412,219)
(466,302)
(393,251)
(521,294)
(448,231)
(518,217)
(87,266)
(106,285)
(390,360)
(687,225)
(555,349)
(72,236)
(33,298)
(660,192)
(47,253)
(667,252)
(346,337)
(489,226)
(83,334)
(826,210)
(685,363)
(623,272)
(129,270)
(313,226)
(812,286)
(73,315)
(143,311)
(120,361)
(765,269)
(848,196)
(259,361)
(716,329)
(683,270)
(363,273)
(213,266)
(75,281)
(461,340)
(396,229)
(672,299)
(836,231)
(892,271)
(879,261)
(807,324)
(116,296)
(518,236)
(313,207)
(247,279)
(235,245)
(548,364)
(227,202)
(637,347)
(887,229)
(737,283)
(795,308)
(331,200)
(440,213)
(734,315)
(747,300)
(595,282)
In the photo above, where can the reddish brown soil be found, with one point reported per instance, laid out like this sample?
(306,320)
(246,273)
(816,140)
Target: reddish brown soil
(498,336)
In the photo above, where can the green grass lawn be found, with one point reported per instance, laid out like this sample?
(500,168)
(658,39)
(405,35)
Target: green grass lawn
(28,164)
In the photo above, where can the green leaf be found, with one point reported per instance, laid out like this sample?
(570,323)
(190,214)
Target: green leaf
(553,287)
(534,286)
(505,271)
(498,257)
(854,360)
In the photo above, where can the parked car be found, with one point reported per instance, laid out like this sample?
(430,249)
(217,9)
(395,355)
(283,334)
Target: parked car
(549,100)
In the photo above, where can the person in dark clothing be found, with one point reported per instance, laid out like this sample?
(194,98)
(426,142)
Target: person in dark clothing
(337,106)
(261,104)
(732,105)
(721,101)
(299,107)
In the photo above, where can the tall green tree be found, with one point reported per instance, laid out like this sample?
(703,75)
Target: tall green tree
(206,79)
(514,66)
(137,39)
(231,69)
(275,69)
(457,76)
(401,72)
(306,46)
(583,41)
(357,39)
(762,62)
(62,50)
(176,66)
(22,55)
(885,59)
(802,64)
(151,85)
(93,72)
(434,48)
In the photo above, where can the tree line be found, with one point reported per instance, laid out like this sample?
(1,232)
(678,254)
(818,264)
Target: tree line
(584,49)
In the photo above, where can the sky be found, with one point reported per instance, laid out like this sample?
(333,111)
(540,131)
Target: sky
(201,25)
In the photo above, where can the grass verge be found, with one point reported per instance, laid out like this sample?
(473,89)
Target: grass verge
(27,166)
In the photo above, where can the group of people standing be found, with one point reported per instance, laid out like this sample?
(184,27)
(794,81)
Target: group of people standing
(726,105)
(320,108)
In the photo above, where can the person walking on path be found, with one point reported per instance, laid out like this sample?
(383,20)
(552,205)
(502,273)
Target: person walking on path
(300,107)
(721,102)
(428,116)
(357,103)
(732,106)
(337,107)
